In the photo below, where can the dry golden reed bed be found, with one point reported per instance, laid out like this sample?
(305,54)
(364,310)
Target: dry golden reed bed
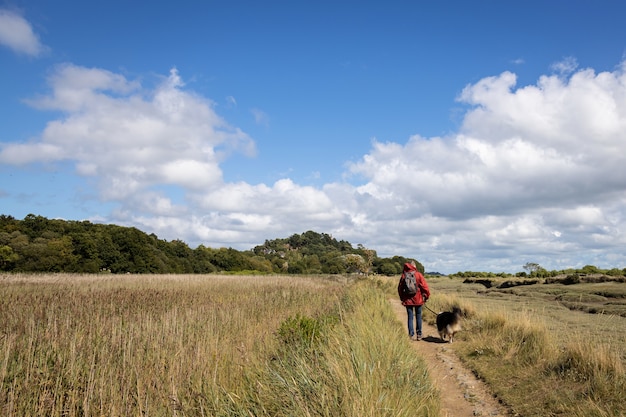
(191,345)
(208,345)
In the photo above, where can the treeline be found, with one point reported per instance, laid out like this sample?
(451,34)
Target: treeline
(38,244)
(544,273)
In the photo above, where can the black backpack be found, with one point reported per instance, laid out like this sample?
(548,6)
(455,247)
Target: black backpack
(409,287)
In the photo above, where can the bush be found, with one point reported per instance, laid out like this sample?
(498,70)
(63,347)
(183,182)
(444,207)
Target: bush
(571,279)
(303,332)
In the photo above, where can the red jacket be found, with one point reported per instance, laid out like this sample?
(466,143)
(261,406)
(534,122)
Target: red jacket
(423,292)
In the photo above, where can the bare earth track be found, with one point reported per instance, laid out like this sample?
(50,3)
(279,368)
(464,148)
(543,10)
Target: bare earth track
(462,394)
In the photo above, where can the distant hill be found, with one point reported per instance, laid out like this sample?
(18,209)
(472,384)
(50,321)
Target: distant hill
(38,244)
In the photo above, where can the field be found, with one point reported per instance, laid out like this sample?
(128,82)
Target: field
(545,349)
(106,345)
(200,345)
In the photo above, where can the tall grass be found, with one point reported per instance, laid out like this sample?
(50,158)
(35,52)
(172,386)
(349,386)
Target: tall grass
(202,345)
(139,345)
(362,367)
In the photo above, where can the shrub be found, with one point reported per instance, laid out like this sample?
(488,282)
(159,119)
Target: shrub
(303,332)
(571,279)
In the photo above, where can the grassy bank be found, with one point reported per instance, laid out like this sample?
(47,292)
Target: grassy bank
(74,345)
(361,366)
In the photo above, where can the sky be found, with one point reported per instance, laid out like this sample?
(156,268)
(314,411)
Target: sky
(471,136)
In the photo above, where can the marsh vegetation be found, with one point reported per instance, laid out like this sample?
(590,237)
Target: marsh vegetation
(192,345)
(539,355)
(211,345)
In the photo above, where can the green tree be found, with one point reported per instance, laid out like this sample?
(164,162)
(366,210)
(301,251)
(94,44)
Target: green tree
(589,269)
(258,263)
(531,267)
(313,264)
(86,250)
(8,258)
(48,255)
(355,264)
(333,264)
(229,260)
(202,261)
(389,268)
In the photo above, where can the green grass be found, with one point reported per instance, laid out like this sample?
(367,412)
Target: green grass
(596,294)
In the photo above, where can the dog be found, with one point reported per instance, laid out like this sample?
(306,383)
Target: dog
(449,323)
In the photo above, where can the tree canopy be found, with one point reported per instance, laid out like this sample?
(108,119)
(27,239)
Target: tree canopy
(38,244)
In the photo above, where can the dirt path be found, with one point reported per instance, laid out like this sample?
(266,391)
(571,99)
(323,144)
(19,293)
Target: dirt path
(462,394)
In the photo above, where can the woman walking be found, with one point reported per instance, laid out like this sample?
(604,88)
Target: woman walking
(413,301)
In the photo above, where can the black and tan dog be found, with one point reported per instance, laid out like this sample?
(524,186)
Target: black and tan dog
(448,323)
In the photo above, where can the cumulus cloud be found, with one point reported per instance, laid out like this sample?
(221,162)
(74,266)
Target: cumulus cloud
(128,137)
(536,173)
(17,34)
(566,66)
(531,170)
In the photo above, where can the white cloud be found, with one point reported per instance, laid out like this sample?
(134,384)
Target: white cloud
(566,66)
(17,34)
(190,174)
(260,117)
(525,160)
(536,173)
(231,102)
(128,137)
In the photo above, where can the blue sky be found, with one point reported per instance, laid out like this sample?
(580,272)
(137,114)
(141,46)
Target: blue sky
(469,135)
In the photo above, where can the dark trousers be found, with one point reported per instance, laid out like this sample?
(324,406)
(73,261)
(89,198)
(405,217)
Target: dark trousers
(417,312)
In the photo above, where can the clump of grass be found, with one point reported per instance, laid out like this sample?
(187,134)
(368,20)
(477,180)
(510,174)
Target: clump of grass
(599,370)
(301,332)
(516,339)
